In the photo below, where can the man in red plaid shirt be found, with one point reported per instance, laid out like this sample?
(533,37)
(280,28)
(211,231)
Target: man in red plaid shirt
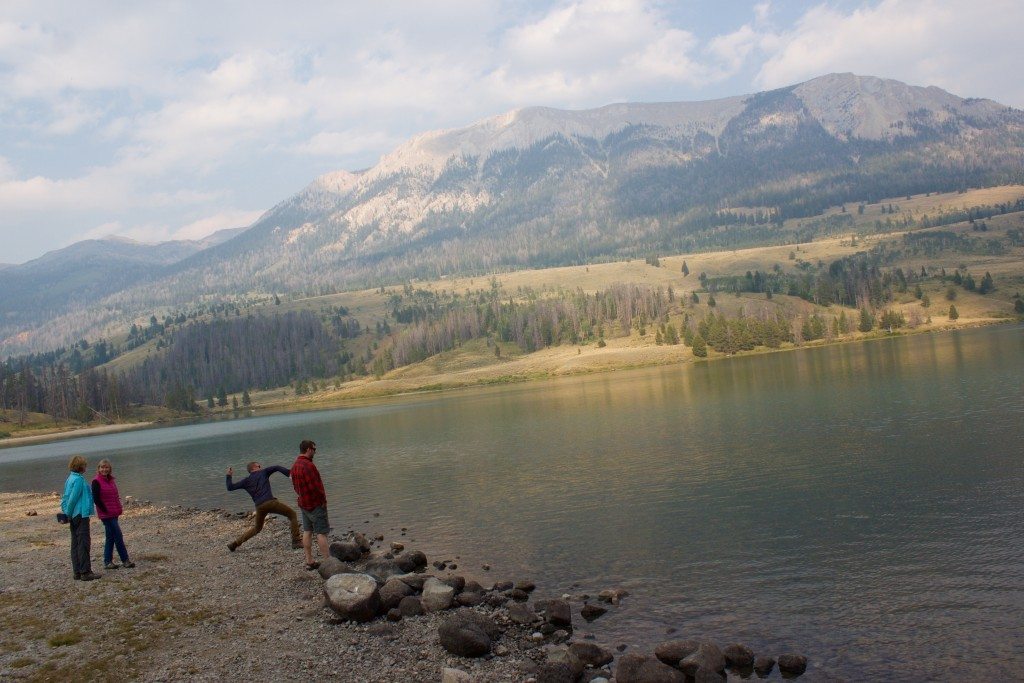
(312,500)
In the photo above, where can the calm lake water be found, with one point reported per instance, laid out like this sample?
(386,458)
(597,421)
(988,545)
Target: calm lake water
(862,504)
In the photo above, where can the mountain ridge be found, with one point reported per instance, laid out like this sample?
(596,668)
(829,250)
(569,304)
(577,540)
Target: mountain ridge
(539,186)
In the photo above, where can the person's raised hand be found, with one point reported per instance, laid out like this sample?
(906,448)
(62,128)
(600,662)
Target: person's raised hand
(231,471)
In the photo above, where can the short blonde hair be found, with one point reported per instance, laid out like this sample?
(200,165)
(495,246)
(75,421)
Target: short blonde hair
(77,464)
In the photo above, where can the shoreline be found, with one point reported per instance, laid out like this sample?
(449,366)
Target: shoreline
(360,396)
(190,609)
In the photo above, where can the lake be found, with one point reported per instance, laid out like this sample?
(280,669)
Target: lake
(862,504)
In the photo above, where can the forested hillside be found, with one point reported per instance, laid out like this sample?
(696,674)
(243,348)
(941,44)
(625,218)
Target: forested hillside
(541,187)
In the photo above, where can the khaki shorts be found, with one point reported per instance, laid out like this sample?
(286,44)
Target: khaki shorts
(315,520)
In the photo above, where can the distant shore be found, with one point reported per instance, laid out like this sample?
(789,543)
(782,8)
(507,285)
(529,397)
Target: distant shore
(550,363)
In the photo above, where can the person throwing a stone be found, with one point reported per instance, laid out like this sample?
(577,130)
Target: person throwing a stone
(312,500)
(257,484)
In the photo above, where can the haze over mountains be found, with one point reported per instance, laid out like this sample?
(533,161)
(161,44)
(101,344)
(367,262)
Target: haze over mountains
(538,187)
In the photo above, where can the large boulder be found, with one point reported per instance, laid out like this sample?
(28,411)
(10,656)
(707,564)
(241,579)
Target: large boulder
(353,596)
(415,581)
(792,665)
(707,656)
(521,613)
(673,651)
(411,560)
(468,634)
(456,582)
(437,595)
(558,612)
(392,592)
(637,668)
(411,606)
(382,568)
(561,665)
(592,654)
(331,566)
(469,599)
(346,551)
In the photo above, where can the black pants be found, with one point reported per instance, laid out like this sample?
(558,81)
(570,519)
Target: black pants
(80,561)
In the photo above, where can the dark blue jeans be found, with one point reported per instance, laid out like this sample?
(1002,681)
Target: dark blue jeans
(114,537)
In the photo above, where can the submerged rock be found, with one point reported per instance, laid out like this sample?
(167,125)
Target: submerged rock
(671,652)
(707,656)
(592,654)
(638,668)
(792,665)
(763,665)
(738,655)
(591,612)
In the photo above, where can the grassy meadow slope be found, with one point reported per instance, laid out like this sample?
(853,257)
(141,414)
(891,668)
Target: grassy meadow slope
(477,362)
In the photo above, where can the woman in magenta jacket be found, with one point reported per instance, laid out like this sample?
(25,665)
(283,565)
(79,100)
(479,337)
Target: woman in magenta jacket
(108,509)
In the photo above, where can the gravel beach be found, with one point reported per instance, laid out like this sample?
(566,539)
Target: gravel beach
(191,610)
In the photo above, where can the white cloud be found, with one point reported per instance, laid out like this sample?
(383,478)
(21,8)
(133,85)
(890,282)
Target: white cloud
(204,227)
(968,47)
(339,144)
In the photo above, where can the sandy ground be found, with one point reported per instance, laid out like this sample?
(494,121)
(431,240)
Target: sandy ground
(191,610)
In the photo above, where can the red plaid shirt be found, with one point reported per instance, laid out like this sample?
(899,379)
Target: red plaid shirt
(308,485)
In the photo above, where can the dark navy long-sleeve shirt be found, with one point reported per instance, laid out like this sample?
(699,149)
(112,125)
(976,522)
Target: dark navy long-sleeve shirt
(257,484)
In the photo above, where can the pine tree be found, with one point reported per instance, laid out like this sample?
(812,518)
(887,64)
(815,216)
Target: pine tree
(867,321)
(700,347)
(246,399)
(222,397)
(986,284)
(686,269)
(953,313)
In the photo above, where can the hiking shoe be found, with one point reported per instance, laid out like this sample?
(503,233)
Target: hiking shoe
(111,565)
(129,564)
(296,545)
(232,546)
(78,577)
(310,566)
(89,576)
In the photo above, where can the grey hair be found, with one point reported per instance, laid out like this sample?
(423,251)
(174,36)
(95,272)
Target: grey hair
(103,462)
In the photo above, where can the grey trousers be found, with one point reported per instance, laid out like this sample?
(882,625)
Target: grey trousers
(80,561)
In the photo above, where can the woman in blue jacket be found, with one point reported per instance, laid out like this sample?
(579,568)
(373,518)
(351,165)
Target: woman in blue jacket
(76,503)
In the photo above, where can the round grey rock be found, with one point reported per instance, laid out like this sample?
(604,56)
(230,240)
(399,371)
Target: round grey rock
(353,596)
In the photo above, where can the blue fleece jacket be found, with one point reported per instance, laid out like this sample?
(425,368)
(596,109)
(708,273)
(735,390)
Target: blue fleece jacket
(77,498)
(256,483)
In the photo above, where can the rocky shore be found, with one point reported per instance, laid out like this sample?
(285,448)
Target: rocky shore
(375,611)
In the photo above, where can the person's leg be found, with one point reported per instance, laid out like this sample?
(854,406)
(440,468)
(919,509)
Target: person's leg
(307,537)
(322,527)
(276,507)
(74,549)
(321,541)
(261,516)
(108,542)
(80,545)
(122,551)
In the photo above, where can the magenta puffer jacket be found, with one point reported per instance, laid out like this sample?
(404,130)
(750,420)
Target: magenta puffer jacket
(109,497)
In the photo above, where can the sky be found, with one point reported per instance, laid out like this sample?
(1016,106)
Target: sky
(160,120)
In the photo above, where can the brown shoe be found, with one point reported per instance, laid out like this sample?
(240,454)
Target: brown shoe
(90,576)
